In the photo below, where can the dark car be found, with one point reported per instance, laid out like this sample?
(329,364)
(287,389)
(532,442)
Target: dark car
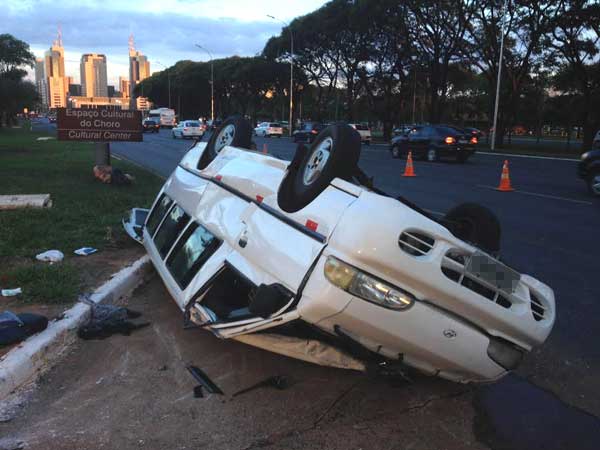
(474,132)
(308,131)
(589,170)
(434,142)
(150,125)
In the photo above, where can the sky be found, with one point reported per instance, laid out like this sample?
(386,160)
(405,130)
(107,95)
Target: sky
(164,30)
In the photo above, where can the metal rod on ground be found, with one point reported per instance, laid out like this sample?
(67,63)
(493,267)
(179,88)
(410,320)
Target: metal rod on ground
(102,154)
(493,145)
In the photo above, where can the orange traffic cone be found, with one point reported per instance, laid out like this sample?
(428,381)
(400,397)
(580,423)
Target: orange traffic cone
(505,179)
(265,151)
(409,171)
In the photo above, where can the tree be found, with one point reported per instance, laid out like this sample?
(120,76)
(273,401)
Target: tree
(15,93)
(576,38)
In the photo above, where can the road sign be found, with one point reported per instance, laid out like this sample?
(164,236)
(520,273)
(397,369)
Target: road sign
(101,124)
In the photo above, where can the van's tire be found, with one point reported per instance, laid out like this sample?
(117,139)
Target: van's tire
(333,154)
(235,131)
(475,224)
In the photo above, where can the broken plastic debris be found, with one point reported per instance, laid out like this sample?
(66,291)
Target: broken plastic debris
(44,138)
(11,292)
(50,256)
(84,251)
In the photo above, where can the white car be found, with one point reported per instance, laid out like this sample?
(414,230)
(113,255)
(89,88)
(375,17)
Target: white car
(269,129)
(250,246)
(187,129)
(364,131)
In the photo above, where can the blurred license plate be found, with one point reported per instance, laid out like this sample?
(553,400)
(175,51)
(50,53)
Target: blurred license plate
(462,141)
(494,272)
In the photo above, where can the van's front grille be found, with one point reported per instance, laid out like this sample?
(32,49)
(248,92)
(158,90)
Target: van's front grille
(415,243)
(538,310)
(453,267)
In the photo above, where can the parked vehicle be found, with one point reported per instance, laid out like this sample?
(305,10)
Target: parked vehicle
(269,129)
(251,246)
(589,170)
(596,141)
(364,131)
(187,129)
(150,125)
(474,132)
(434,142)
(307,132)
(165,117)
(402,130)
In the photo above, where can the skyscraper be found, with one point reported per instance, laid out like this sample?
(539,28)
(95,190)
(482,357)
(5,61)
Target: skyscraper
(139,69)
(40,81)
(124,87)
(54,71)
(93,75)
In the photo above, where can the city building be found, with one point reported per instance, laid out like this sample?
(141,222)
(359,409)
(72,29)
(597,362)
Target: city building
(143,104)
(94,78)
(139,69)
(111,91)
(94,102)
(41,83)
(54,73)
(74,90)
(124,87)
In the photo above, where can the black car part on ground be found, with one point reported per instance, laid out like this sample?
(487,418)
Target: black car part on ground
(204,380)
(279,382)
(18,327)
(476,224)
(343,141)
(242,137)
(106,320)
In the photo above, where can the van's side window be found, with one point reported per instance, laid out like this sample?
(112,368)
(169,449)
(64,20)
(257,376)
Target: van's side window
(171,227)
(191,252)
(159,211)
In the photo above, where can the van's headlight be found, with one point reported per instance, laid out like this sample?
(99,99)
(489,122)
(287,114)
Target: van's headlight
(365,286)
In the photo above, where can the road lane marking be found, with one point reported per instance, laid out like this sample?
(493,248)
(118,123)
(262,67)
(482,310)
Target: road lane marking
(554,158)
(555,197)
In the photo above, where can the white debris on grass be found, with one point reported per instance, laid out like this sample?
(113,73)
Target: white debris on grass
(25,201)
(45,138)
(11,292)
(84,251)
(50,256)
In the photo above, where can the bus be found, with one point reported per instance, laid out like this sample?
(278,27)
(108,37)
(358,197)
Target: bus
(165,117)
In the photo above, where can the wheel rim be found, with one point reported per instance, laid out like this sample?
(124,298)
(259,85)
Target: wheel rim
(225,137)
(431,155)
(317,161)
(595,184)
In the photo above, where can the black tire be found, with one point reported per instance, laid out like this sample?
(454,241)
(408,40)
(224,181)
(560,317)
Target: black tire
(591,181)
(305,180)
(475,224)
(242,137)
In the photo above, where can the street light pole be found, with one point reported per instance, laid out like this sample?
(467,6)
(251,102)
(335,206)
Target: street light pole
(493,146)
(291,124)
(212,84)
(168,79)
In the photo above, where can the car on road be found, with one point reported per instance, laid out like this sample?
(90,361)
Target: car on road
(269,129)
(474,132)
(596,141)
(307,132)
(588,169)
(364,131)
(434,142)
(150,125)
(187,129)
(308,259)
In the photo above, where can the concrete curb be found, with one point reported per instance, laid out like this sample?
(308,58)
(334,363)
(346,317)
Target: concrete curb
(38,353)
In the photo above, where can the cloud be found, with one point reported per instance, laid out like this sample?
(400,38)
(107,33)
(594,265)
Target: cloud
(163,36)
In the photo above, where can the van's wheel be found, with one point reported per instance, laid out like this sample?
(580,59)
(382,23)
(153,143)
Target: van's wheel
(475,224)
(593,183)
(235,131)
(333,154)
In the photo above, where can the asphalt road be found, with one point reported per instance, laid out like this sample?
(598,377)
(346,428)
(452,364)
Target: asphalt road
(550,230)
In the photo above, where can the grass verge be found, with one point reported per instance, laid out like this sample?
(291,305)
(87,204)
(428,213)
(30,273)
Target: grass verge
(85,212)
